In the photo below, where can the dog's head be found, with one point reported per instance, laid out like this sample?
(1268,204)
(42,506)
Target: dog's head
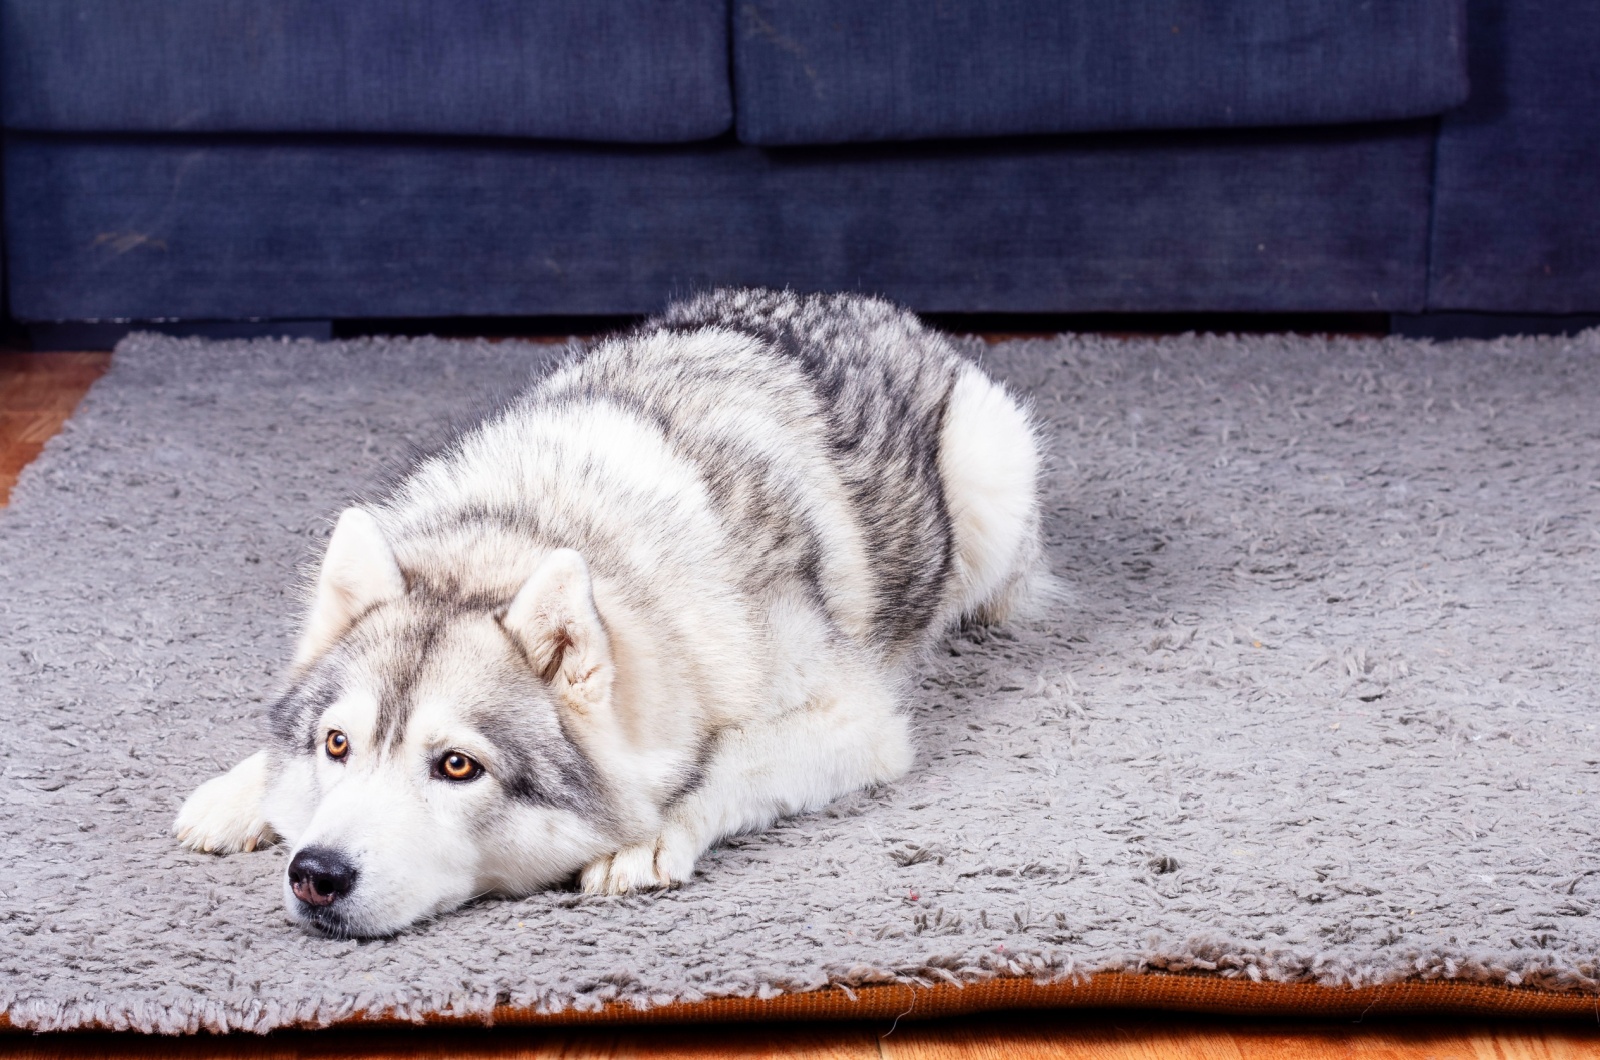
(430,752)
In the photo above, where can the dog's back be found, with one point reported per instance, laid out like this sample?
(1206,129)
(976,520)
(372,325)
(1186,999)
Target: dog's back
(822,426)
(876,386)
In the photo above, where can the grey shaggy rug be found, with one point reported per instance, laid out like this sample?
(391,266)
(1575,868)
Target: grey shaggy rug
(1322,706)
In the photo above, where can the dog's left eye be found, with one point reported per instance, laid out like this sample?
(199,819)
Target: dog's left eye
(456,766)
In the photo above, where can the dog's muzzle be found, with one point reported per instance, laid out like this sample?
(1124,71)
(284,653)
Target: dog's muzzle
(320,877)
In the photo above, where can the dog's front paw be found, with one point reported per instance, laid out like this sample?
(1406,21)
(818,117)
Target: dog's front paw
(224,816)
(667,861)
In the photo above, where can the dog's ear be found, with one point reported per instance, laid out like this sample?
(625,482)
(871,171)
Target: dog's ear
(358,572)
(553,619)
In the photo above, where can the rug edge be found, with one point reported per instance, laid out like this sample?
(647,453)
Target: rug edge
(1195,992)
(1188,992)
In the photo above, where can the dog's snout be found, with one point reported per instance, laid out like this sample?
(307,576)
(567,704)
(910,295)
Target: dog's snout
(319,876)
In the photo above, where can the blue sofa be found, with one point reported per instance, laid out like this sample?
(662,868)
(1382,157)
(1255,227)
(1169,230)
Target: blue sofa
(296,159)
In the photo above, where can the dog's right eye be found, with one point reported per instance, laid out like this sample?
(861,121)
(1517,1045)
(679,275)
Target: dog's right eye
(338,745)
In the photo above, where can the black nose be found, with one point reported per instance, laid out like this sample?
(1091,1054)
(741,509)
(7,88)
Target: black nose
(319,876)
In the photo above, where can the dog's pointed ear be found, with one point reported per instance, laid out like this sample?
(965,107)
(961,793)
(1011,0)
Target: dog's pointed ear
(554,621)
(358,572)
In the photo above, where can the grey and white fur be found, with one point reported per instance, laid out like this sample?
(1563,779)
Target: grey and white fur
(665,596)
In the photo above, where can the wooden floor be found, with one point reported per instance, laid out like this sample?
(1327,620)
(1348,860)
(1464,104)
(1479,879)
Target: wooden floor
(1060,1036)
(39,391)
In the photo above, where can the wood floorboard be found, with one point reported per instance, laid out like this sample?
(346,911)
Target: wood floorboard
(39,391)
(995,1036)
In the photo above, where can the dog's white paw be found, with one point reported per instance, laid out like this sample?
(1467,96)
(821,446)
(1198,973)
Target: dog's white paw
(667,861)
(224,816)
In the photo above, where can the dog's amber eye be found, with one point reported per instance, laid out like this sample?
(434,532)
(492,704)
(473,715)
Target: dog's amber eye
(457,766)
(338,745)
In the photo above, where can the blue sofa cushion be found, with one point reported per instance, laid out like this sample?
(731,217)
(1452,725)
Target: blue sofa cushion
(235,227)
(1517,200)
(835,71)
(642,71)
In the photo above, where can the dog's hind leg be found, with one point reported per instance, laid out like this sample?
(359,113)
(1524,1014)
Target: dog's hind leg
(225,814)
(847,736)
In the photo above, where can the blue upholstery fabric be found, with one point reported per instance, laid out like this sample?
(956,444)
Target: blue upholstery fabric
(643,71)
(1517,223)
(217,227)
(835,71)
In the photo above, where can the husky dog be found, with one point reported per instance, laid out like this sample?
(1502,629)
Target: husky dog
(666,596)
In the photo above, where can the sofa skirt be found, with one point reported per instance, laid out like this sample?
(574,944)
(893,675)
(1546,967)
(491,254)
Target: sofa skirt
(104,227)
